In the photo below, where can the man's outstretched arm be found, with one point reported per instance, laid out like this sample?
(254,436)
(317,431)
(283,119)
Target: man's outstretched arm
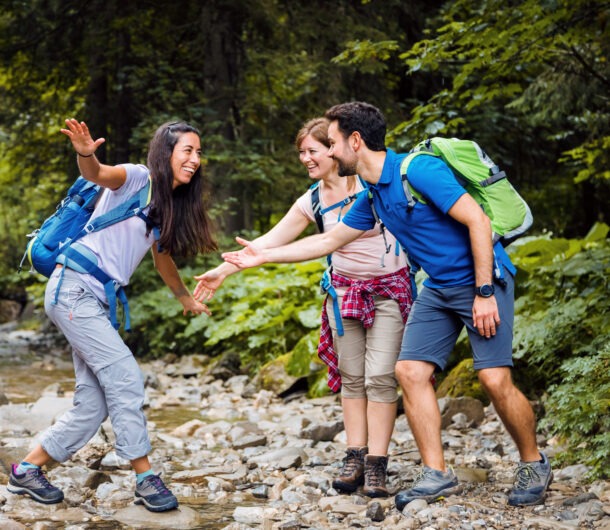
(308,248)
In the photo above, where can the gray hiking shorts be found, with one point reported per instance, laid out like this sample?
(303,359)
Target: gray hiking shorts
(439,315)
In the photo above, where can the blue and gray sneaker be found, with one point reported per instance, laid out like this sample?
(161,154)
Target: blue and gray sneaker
(35,484)
(531,482)
(430,485)
(153,494)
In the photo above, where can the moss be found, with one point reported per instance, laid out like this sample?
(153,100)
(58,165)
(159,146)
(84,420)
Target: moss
(462,381)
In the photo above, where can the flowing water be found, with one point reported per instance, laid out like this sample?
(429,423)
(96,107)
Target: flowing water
(25,374)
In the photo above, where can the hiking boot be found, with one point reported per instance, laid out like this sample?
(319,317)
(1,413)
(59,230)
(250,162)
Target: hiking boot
(35,484)
(430,485)
(153,494)
(352,472)
(531,482)
(375,470)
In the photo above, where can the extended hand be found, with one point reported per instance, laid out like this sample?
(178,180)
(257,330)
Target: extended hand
(195,307)
(79,135)
(249,256)
(207,284)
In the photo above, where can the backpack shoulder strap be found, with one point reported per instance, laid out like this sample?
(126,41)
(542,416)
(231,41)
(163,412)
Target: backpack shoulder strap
(413,196)
(319,212)
(132,206)
(315,204)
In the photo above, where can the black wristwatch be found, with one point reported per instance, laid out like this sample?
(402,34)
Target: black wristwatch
(486,290)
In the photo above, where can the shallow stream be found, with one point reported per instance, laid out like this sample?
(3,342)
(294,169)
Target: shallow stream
(25,374)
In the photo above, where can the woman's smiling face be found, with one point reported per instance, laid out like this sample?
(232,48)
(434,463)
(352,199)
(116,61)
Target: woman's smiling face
(313,155)
(186,158)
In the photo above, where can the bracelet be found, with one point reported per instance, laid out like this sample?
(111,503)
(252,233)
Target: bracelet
(84,156)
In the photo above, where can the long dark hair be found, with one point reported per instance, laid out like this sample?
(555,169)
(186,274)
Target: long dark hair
(180,212)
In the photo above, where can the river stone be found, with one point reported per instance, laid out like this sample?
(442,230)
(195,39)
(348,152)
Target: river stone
(140,518)
(375,512)
(573,501)
(37,417)
(471,407)
(575,472)
(11,524)
(187,429)
(261,492)
(253,514)
(284,458)
(289,525)
(112,461)
(70,515)
(9,310)
(468,474)
(323,432)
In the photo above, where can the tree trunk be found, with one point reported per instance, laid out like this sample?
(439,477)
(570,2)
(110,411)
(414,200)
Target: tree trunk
(223,52)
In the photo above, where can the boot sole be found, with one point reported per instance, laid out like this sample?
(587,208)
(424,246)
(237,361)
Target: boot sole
(172,505)
(455,490)
(375,493)
(346,488)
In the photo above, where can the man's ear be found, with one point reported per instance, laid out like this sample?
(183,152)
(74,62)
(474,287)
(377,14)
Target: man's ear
(355,140)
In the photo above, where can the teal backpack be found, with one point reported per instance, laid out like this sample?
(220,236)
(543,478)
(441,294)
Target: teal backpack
(510,215)
(56,241)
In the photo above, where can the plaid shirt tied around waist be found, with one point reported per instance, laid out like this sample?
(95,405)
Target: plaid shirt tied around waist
(358,304)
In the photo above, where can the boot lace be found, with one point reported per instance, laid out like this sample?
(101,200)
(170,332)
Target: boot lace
(376,475)
(156,482)
(41,479)
(525,476)
(350,463)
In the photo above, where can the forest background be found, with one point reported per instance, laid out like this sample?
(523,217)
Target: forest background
(527,79)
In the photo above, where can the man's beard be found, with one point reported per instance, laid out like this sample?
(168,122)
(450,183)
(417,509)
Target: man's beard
(346,169)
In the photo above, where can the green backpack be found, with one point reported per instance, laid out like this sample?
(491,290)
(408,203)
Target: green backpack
(483,180)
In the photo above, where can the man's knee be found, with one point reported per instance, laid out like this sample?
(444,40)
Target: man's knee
(413,372)
(496,381)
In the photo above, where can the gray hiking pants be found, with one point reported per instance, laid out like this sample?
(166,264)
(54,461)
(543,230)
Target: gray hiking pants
(108,379)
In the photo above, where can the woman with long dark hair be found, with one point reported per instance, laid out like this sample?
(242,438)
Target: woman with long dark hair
(108,379)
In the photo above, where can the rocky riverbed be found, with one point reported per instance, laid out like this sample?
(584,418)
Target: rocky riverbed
(238,457)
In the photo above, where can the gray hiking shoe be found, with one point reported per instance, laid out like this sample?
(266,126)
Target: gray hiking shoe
(430,485)
(35,484)
(531,482)
(153,494)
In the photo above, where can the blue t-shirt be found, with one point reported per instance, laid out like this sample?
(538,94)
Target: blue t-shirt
(435,241)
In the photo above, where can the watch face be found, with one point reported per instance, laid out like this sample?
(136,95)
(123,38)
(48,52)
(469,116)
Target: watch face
(486,290)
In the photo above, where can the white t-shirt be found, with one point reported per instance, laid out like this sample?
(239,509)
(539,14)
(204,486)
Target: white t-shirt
(120,247)
(360,259)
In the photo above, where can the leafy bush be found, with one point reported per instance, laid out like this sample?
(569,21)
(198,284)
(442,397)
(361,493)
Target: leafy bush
(259,314)
(562,339)
(577,409)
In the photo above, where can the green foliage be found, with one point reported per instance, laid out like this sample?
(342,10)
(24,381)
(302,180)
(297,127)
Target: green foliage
(525,79)
(260,314)
(562,336)
(577,409)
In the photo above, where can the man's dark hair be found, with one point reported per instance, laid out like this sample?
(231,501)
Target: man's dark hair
(362,117)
